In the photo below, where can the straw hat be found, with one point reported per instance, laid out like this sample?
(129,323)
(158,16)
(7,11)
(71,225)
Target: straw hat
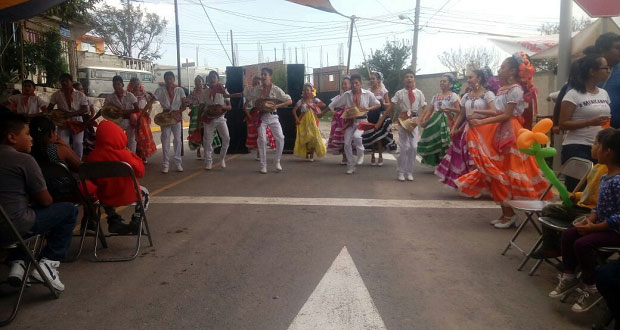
(268,105)
(59,117)
(353,112)
(164,119)
(112,113)
(214,111)
(408,124)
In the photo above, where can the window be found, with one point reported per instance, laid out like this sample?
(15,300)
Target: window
(331,77)
(82,75)
(146,77)
(128,75)
(105,74)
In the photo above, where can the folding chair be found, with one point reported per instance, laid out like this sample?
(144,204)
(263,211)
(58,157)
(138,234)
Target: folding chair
(17,241)
(100,170)
(53,171)
(576,168)
(573,166)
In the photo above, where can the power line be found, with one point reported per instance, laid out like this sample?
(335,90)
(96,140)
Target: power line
(218,36)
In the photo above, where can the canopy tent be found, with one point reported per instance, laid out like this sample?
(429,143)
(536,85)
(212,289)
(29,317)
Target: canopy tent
(582,39)
(14,10)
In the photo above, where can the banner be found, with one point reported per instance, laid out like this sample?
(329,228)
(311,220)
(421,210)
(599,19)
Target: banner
(323,5)
(14,10)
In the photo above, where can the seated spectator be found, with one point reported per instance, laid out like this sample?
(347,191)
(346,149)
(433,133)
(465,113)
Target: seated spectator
(48,147)
(599,229)
(111,145)
(27,103)
(24,196)
(584,200)
(608,284)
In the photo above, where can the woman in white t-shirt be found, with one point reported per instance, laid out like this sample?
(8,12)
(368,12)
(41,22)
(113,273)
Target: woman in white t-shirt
(585,109)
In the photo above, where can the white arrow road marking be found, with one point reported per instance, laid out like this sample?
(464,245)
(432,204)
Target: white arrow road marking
(340,301)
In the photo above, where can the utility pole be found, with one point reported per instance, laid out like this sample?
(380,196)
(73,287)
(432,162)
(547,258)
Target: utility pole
(176,21)
(416,29)
(350,42)
(564,54)
(232,48)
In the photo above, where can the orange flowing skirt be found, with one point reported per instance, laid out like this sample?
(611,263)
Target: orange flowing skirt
(505,175)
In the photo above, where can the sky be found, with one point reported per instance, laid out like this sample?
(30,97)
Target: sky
(318,36)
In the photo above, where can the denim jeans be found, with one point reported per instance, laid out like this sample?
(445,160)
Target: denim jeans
(608,284)
(575,150)
(58,220)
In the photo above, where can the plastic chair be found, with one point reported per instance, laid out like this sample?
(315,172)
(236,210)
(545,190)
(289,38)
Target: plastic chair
(16,240)
(100,170)
(574,167)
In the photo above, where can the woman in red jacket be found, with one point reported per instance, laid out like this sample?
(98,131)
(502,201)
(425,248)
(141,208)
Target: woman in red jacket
(111,145)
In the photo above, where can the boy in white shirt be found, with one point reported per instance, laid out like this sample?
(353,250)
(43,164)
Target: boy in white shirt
(214,97)
(172,99)
(68,99)
(365,101)
(27,103)
(128,104)
(411,101)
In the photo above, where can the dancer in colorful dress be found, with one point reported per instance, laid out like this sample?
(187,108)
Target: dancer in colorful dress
(195,132)
(309,140)
(128,104)
(361,101)
(435,138)
(411,102)
(172,99)
(145,144)
(380,136)
(476,104)
(501,168)
(214,104)
(335,143)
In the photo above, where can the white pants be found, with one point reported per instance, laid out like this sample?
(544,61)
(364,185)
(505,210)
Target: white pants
(408,142)
(209,132)
(271,121)
(353,138)
(131,134)
(177,143)
(78,139)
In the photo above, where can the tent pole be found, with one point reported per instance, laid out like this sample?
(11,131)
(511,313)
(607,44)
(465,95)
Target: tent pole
(564,55)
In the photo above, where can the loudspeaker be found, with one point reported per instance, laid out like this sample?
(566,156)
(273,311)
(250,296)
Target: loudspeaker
(295,76)
(295,83)
(236,126)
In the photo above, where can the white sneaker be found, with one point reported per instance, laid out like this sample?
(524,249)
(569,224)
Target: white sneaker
(278,167)
(208,165)
(50,268)
(179,168)
(17,272)
(360,158)
(350,170)
(223,163)
(508,224)
(410,176)
(164,169)
(263,169)
(401,177)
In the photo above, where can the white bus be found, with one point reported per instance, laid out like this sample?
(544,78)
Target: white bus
(97,81)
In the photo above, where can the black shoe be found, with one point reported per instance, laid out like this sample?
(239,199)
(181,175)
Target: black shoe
(116,225)
(134,224)
(543,253)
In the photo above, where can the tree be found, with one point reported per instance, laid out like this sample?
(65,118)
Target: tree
(554,28)
(51,57)
(390,61)
(129,31)
(473,58)
(73,10)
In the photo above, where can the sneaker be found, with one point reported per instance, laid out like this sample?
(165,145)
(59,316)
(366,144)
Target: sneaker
(401,177)
(278,167)
(50,269)
(409,176)
(179,168)
(507,224)
(208,166)
(586,300)
(164,169)
(223,163)
(565,286)
(380,163)
(360,158)
(373,162)
(116,225)
(350,170)
(17,272)
(263,169)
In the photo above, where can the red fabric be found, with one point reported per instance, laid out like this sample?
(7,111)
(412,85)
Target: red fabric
(215,89)
(76,126)
(357,96)
(110,145)
(26,98)
(411,95)
(68,93)
(145,145)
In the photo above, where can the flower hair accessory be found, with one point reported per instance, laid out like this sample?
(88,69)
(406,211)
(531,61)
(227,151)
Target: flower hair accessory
(379,75)
(451,77)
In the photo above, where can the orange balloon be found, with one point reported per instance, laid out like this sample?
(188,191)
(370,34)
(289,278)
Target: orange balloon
(541,138)
(543,126)
(522,130)
(525,140)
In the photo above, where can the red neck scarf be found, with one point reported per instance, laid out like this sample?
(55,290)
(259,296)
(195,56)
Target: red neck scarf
(266,89)
(139,92)
(26,98)
(215,89)
(170,90)
(68,93)
(119,95)
(411,95)
(357,96)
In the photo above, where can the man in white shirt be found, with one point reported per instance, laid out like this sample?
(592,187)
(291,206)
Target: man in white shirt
(268,91)
(128,104)
(411,101)
(72,101)
(27,103)
(172,99)
(213,98)
(365,101)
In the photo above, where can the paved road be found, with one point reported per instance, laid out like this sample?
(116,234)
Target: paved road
(310,245)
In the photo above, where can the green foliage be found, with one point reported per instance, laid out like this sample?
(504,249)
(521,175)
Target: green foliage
(11,61)
(279,79)
(51,57)
(549,64)
(391,60)
(73,10)
(129,31)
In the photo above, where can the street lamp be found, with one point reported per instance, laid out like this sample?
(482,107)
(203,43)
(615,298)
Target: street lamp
(414,47)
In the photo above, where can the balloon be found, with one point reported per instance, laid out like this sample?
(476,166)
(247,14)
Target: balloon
(521,131)
(543,126)
(541,138)
(525,140)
